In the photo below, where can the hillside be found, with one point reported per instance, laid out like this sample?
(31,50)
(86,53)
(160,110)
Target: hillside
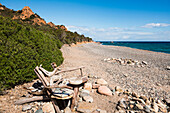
(27,17)
(25,44)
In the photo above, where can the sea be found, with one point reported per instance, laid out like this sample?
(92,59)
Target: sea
(144,45)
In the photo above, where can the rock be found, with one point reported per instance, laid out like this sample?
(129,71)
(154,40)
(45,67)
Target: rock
(48,107)
(126,75)
(144,62)
(75,81)
(86,107)
(103,111)
(147,109)
(167,101)
(155,107)
(39,111)
(122,103)
(168,67)
(88,99)
(119,89)
(84,93)
(95,86)
(131,106)
(143,97)
(105,90)
(88,86)
(101,81)
(67,110)
(26,107)
(139,106)
(135,95)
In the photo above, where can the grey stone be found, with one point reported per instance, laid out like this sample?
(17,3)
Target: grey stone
(39,111)
(88,99)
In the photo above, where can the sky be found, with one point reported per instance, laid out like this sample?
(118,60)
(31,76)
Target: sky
(105,20)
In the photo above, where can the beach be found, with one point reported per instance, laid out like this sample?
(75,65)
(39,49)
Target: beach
(151,80)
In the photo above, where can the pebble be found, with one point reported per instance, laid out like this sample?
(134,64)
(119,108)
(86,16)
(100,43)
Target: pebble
(105,90)
(122,103)
(147,109)
(84,93)
(101,81)
(118,88)
(88,99)
(168,67)
(39,111)
(139,106)
(67,110)
(88,86)
(155,107)
(144,62)
(48,107)
(95,86)
(26,107)
(135,95)
(103,111)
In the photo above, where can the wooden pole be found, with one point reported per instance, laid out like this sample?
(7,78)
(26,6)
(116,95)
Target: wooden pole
(76,90)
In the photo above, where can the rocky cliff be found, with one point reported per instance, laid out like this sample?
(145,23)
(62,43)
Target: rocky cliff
(28,16)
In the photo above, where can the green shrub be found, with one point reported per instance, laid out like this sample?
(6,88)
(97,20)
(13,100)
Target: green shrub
(21,50)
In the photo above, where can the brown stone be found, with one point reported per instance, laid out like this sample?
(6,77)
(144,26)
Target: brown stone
(88,86)
(105,90)
(48,108)
(101,81)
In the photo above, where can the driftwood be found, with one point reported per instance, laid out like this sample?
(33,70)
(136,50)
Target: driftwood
(71,69)
(45,83)
(27,100)
(76,90)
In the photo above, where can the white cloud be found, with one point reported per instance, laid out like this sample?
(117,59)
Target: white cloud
(116,33)
(151,25)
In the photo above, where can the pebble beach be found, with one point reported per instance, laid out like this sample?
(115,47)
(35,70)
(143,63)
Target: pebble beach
(120,79)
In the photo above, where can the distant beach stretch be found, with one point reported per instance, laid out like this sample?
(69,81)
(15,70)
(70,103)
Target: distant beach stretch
(151,80)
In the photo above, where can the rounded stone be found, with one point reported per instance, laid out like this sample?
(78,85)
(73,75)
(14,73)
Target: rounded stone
(101,81)
(105,90)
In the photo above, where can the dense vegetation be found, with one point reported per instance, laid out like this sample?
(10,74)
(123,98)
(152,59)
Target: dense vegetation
(24,46)
(21,49)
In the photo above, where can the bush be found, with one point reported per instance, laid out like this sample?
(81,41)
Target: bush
(21,50)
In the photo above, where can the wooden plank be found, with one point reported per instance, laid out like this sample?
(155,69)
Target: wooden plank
(27,100)
(76,90)
(68,70)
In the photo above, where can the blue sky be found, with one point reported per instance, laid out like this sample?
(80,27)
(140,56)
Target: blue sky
(136,20)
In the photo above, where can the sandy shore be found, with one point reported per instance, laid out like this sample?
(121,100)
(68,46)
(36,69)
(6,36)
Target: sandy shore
(152,80)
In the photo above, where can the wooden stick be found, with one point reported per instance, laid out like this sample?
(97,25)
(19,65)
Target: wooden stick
(76,90)
(49,87)
(81,72)
(68,70)
(27,100)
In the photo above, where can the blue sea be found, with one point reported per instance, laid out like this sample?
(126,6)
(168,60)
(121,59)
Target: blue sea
(151,46)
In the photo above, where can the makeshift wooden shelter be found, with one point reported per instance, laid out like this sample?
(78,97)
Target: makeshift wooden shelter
(57,92)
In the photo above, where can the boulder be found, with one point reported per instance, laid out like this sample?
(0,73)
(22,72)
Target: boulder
(119,89)
(105,90)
